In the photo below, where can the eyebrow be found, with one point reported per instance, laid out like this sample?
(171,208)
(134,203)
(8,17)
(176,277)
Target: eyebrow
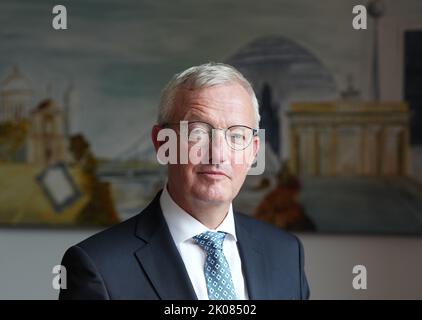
(196,118)
(210,121)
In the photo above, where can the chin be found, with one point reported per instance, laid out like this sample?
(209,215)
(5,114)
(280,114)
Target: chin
(213,194)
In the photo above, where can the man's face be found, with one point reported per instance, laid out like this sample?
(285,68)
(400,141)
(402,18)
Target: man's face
(219,181)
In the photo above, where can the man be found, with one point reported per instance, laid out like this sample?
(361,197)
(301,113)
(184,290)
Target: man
(189,243)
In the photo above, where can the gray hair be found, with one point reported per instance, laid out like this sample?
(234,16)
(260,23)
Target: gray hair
(203,76)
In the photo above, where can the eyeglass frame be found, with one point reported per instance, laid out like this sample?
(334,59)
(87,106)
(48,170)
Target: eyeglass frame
(254,131)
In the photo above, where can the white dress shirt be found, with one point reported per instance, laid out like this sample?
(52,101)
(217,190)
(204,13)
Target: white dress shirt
(183,227)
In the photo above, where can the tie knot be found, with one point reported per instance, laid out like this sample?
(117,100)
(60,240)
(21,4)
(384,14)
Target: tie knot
(210,241)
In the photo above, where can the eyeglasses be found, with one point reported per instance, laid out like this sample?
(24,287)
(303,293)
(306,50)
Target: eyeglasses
(238,137)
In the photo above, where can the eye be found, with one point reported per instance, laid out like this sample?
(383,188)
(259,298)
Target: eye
(237,134)
(237,137)
(197,134)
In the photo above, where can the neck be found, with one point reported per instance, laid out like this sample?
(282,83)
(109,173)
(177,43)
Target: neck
(209,214)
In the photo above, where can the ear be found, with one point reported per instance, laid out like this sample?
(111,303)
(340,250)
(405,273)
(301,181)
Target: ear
(255,149)
(154,134)
(256,144)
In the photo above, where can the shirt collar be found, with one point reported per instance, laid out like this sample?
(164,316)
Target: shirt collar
(183,226)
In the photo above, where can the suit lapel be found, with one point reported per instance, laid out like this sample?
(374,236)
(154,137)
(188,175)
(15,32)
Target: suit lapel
(159,257)
(253,261)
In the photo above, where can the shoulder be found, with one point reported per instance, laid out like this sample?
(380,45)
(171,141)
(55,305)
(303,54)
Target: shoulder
(122,231)
(267,234)
(282,253)
(110,242)
(125,236)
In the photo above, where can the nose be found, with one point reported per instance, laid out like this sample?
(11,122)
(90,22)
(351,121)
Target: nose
(219,152)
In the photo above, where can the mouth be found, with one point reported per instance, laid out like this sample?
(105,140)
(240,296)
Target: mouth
(213,174)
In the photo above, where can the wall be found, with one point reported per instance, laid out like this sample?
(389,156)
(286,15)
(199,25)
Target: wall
(393,264)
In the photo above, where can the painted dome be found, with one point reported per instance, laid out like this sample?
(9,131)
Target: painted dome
(290,69)
(15,83)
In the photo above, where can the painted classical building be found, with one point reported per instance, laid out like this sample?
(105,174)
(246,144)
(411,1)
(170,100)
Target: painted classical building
(349,138)
(47,143)
(15,96)
(33,135)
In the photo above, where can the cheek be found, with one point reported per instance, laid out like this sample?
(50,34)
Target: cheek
(239,172)
(241,161)
(182,172)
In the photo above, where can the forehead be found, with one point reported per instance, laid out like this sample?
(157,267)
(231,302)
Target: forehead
(221,105)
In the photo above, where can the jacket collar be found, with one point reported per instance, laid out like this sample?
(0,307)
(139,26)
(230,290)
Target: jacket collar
(159,257)
(253,259)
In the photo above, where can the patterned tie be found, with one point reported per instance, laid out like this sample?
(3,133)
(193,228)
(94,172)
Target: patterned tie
(217,271)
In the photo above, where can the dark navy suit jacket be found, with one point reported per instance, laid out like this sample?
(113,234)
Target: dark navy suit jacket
(137,259)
